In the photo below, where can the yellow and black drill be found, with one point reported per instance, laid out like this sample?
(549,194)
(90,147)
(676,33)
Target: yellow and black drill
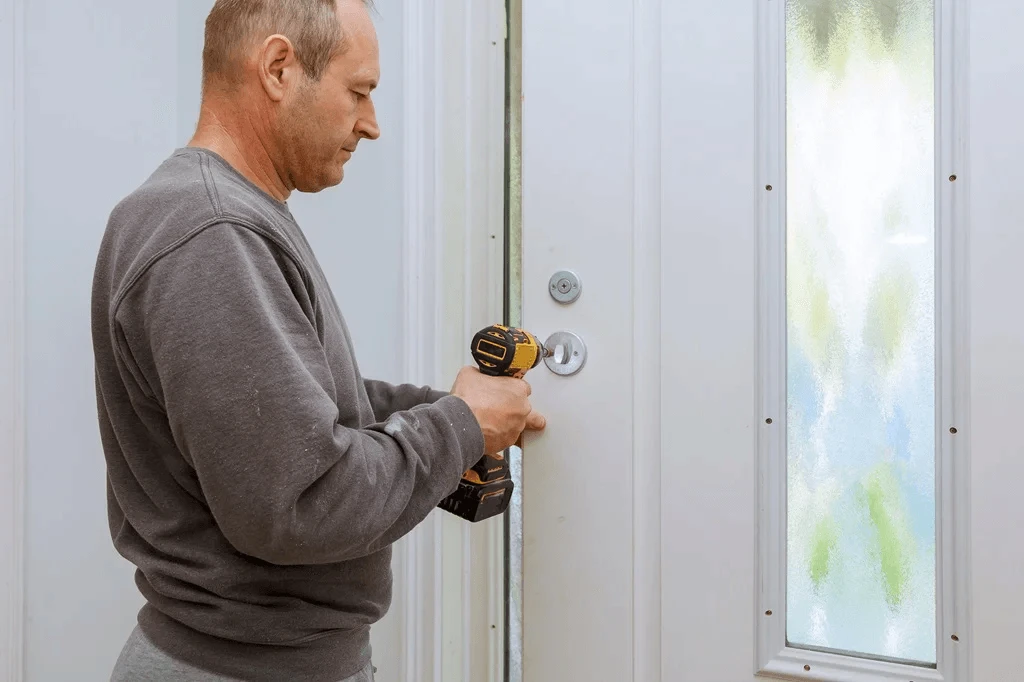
(486,489)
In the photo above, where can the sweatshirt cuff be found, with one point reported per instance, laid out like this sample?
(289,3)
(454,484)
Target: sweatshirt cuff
(433,395)
(467,428)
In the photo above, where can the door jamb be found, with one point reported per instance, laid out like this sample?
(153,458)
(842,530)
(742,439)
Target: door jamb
(450,574)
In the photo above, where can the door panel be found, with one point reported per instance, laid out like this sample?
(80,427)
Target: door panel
(709,314)
(577,211)
(638,502)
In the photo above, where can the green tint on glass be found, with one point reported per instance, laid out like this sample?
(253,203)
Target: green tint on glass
(860,239)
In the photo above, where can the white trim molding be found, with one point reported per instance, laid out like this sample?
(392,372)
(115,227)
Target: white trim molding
(471,166)
(417,566)
(449,574)
(12,345)
(774,656)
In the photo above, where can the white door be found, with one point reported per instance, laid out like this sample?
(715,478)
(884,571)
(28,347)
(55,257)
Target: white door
(745,477)
(639,157)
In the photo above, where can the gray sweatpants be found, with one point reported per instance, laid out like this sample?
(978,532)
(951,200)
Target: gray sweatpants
(142,661)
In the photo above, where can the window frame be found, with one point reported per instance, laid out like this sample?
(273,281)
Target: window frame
(774,656)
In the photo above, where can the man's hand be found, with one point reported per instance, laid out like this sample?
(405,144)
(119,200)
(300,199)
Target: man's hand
(500,404)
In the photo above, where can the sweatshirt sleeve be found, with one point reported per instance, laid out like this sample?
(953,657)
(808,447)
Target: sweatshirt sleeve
(243,377)
(390,398)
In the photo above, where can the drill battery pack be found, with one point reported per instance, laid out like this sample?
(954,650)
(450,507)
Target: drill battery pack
(484,491)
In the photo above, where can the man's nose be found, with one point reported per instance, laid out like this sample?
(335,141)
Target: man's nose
(370,130)
(367,126)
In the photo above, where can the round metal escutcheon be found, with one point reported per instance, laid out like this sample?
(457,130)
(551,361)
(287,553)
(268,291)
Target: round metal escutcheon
(565,286)
(568,353)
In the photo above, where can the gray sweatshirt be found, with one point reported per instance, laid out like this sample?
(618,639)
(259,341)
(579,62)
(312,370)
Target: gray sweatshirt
(254,477)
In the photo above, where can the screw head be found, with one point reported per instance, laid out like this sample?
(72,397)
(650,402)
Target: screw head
(564,286)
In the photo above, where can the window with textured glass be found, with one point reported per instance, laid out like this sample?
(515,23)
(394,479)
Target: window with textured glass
(860,313)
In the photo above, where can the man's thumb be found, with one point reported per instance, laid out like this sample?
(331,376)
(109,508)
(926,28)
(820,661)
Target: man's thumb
(536,421)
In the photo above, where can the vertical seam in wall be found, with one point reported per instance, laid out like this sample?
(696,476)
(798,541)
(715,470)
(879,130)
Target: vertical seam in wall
(434,74)
(16,361)
(472,293)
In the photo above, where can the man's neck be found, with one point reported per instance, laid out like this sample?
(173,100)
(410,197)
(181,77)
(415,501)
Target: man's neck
(236,140)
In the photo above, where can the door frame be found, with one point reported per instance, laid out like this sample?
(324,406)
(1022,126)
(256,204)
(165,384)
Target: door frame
(450,575)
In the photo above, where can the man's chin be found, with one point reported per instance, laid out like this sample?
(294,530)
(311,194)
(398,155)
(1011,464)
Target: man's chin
(325,181)
(335,175)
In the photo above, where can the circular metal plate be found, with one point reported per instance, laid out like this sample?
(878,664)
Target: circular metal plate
(569,353)
(565,286)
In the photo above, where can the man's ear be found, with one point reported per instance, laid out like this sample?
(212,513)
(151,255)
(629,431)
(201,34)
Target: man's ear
(277,66)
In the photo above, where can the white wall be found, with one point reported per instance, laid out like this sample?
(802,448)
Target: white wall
(98,116)
(111,88)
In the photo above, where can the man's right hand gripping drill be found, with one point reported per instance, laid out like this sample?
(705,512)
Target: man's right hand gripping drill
(500,404)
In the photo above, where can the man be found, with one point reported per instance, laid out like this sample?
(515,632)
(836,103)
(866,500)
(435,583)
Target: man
(254,477)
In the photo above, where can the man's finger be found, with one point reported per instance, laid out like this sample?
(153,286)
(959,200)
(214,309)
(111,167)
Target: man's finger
(535,421)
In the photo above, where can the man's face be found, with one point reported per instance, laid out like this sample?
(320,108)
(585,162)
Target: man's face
(322,122)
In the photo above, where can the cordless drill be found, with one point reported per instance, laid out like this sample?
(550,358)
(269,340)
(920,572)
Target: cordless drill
(486,489)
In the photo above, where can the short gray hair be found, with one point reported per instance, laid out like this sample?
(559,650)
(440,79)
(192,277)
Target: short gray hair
(311,25)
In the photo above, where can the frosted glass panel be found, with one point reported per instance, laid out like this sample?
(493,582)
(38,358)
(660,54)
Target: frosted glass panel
(860,324)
